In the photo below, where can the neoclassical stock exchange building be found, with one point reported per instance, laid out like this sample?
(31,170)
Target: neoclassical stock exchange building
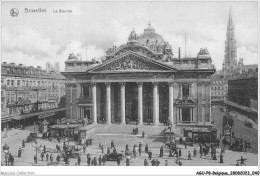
(140,81)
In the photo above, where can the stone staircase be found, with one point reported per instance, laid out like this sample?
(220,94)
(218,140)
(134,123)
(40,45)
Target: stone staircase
(150,130)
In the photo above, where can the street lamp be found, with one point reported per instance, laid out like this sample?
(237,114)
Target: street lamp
(68,133)
(6,152)
(170,127)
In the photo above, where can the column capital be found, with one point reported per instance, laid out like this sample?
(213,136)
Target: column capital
(140,83)
(122,84)
(170,84)
(155,83)
(93,84)
(108,83)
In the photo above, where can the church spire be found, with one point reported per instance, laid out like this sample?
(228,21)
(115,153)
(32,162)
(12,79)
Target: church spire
(230,22)
(230,59)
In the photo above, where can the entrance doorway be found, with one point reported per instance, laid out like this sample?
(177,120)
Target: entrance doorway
(134,110)
(87,114)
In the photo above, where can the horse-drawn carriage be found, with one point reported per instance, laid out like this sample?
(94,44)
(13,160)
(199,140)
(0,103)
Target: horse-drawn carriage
(32,137)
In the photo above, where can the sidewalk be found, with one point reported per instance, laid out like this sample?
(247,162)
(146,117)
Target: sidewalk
(243,119)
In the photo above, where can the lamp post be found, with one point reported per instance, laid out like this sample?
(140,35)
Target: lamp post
(170,127)
(6,152)
(68,133)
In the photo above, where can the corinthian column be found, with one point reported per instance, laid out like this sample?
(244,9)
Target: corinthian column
(155,104)
(108,102)
(122,103)
(94,102)
(140,103)
(171,102)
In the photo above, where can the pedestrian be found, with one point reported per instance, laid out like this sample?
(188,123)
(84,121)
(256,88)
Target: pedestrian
(58,158)
(19,152)
(166,163)
(112,144)
(99,146)
(79,160)
(146,148)
(157,162)
(145,162)
(161,151)
(88,159)
(134,152)
(201,152)
(118,161)
(220,135)
(35,159)
(140,151)
(11,159)
(218,141)
(44,148)
(185,144)
(23,143)
(242,161)
(90,141)
(153,162)
(108,150)
(51,158)
(104,160)
(170,154)
(221,158)
(194,152)
(92,162)
(127,162)
(180,140)
(99,160)
(102,148)
(126,147)
(180,153)
(47,157)
(189,155)
(245,147)
(150,154)
(84,148)
(58,138)
(143,134)
(140,145)
(42,155)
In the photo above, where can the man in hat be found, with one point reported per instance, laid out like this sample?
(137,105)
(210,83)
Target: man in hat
(161,151)
(118,161)
(150,154)
(47,157)
(112,144)
(146,148)
(42,155)
(19,152)
(99,160)
(23,143)
(189,155)
(51,158)
(79,159)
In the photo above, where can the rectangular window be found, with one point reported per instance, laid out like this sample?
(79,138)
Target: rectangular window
(70,64)
(18,83)
(8,82)
(78,64)
(186,115)
(12,82)
(86,91)
(185,90)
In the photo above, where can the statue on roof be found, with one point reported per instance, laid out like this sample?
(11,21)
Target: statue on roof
(203,51)
(133,36)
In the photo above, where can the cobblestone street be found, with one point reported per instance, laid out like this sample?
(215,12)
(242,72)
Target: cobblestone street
(121,136)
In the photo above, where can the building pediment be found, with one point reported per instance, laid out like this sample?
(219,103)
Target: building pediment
(129,62)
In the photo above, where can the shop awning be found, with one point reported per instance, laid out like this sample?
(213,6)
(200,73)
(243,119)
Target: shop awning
(49,111)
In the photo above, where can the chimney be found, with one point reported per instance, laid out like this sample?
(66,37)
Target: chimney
(20,64)
(179,52)
(4,63)
(12,63)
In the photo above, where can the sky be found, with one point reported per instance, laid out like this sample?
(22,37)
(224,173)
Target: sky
(92,27)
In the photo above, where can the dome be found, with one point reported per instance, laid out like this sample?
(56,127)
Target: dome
(149,37)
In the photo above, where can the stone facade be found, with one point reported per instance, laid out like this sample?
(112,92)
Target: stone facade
(28,89)
(137,84)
